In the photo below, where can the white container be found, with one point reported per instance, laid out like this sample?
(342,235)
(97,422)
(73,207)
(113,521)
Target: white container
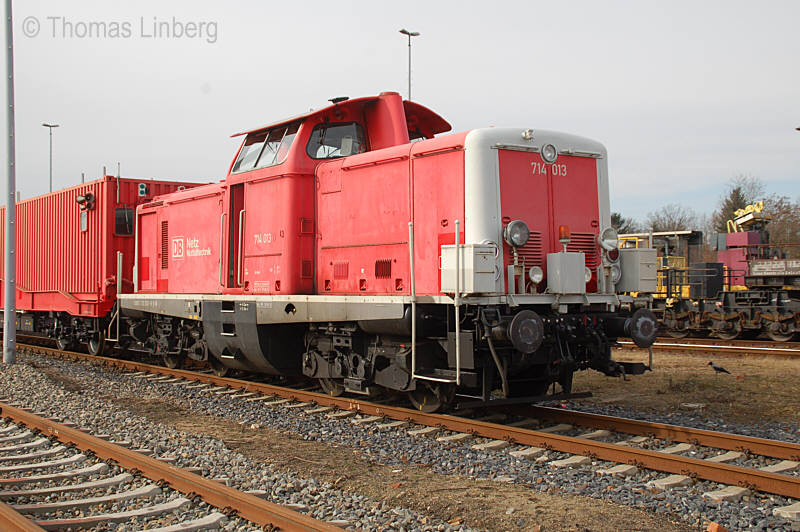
(477,269)
(639,270)
(566,273)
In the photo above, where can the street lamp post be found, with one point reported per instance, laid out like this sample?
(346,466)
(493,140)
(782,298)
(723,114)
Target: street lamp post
(50,127)
(410,34)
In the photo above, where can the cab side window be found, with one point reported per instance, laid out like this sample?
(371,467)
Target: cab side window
(266,148)
(329,141)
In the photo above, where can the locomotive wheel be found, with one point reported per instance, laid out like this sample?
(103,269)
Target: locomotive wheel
(97,343)
(331,387)
(64,344)
(172,361)
(218,368)
(431,396)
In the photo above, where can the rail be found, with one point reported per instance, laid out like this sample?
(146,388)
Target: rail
(718,472)
(214,493)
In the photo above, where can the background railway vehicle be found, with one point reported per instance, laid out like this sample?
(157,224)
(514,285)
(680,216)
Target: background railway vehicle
(354,246)
(751,289)
(73,245)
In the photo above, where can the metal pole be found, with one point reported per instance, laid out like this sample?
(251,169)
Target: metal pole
(50,127)
(409,67)
(51,159)
(9,283)
(409,34)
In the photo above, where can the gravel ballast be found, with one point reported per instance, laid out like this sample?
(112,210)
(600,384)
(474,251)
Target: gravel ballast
(391,446)
(30,386)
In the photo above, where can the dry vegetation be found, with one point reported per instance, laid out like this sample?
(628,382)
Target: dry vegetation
(759,389)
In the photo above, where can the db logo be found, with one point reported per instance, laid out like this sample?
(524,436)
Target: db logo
(178,248)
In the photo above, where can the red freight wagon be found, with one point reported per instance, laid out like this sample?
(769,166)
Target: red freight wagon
(67,244)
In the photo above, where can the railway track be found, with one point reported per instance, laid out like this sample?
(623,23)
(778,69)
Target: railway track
(627,445)
(50,474)
(721,347)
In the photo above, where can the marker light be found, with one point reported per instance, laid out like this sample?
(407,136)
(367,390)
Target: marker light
(608,239)
(536,274)
(587,274)
(549,153)
(613,255)
(563,234)
(616,273)
(516,233)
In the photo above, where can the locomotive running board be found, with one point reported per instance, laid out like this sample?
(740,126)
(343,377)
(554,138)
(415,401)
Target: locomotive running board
(515,400)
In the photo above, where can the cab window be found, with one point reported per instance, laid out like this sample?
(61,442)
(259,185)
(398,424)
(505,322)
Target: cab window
(329,141)
(250,152)
(276,147)
(266,148)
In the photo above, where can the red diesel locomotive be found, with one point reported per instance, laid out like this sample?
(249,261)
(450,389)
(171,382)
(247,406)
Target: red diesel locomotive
(357,246)
(354,246)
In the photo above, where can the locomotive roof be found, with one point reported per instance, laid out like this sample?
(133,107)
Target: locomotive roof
(417,116)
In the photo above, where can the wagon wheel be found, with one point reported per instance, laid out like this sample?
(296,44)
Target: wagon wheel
(219,369)
(778,334)
(97,343)
(431,396)
(778,337)
(331,387)
(727,335)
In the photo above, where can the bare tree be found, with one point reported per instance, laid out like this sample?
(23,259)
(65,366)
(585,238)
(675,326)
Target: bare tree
(784,229)
(672,217)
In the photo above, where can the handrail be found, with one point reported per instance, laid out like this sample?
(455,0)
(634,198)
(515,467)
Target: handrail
(413,301)
(221,242)
(457,302)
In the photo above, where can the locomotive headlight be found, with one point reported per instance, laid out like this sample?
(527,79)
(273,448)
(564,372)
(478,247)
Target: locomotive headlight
(587,274)
(608,239)
(516,233)
(616,273)
(549,153)
(536,274)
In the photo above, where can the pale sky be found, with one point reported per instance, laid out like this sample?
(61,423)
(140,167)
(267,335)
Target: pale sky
(685,95)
